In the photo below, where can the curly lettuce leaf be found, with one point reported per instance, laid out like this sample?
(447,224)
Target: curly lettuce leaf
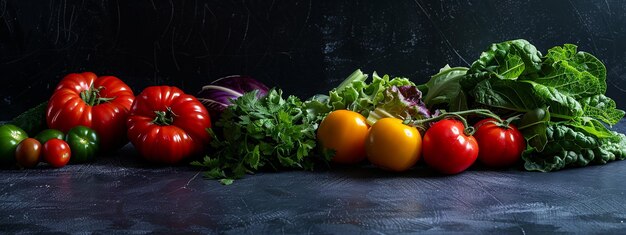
(403,102)
(602,108)
(355,94)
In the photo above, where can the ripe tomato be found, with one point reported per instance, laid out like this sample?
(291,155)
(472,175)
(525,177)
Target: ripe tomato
(447,148)
(100,103)
(392,145)
(56,152)
(28,153)
(344,131)
(499,146)
(166,125)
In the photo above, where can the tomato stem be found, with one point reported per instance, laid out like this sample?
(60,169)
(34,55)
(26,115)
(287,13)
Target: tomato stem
(164,118)
(92,96)
(469,130)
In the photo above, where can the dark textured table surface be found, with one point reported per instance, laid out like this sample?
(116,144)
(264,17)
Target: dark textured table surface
(119,194)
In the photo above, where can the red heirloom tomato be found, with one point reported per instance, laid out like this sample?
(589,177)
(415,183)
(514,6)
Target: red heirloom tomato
(166,125)
(100,103)
(447,149)
(500,146)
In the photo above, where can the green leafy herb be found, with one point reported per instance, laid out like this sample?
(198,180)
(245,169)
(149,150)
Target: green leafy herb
(267,133)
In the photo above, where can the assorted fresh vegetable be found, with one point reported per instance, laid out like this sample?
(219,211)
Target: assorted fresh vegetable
(563,90)
(547,112)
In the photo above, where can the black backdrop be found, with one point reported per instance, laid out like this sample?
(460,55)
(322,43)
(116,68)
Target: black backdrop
(304,47)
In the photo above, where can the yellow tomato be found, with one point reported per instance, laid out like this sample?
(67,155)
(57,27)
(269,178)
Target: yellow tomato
(344,131)
(391,145)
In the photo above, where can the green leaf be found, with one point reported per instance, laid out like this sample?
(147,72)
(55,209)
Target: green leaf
(601,108)
(526,96)
(444,88)
(576,74)
(505,60)
(533,126)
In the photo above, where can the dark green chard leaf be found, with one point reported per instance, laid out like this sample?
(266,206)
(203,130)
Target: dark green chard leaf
(569,146)
(505,60)
(525,96)
(602,108)
(576,74)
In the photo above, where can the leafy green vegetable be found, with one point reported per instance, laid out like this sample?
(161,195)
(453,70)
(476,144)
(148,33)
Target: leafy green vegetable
(444,88)
(403,102)
(355,94)
(267,133)
(568,85)
(572,147)
(505,60)
(33,120)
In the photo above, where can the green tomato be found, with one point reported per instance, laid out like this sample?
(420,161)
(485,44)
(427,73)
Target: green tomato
(84,143)
(10,137)
(48,134)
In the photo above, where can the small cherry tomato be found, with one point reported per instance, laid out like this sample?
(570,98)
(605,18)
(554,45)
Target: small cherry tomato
(500,146)
(447,148)
(391,145)
(56,152)
(28,153)
(344,131)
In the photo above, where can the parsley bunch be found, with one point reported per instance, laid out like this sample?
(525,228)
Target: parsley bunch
(261,133)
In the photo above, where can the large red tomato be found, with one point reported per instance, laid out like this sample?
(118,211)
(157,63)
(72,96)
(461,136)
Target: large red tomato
(100,103)
(166,125)
(447,149)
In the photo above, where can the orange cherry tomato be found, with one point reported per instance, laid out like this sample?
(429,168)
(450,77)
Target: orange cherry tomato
(344,131)
(392,145)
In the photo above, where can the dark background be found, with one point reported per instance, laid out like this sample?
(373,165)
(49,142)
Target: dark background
(304,47)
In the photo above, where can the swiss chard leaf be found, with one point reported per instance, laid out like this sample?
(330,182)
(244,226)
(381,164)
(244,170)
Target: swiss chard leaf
(505,60)
(576,74)
(602,108)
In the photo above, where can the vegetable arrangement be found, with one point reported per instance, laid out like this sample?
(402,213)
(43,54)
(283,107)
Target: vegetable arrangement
(512,106)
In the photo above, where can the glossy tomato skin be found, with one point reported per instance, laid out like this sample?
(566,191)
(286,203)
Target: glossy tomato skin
(447,148)
(68,107)
(10,137)
(344,131)
(28,153)
(184,134)
(499,146)
(393,146)
(84,143)
(56,153)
